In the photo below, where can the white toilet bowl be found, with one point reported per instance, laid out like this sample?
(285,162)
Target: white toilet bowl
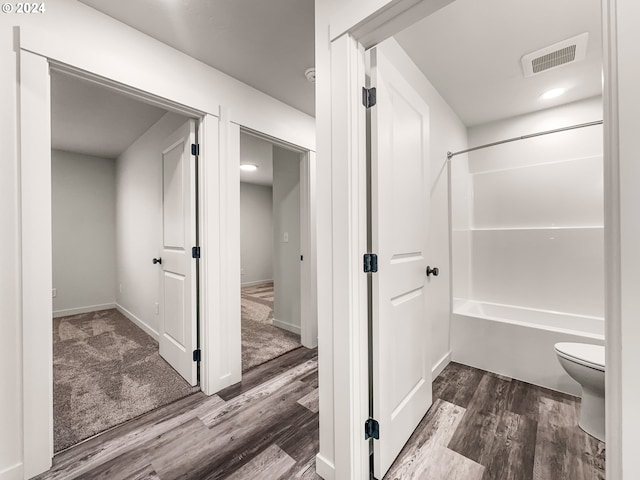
(585,364)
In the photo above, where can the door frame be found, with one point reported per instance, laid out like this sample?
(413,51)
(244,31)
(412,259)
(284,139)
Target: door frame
(219,342)
(348,140)
(308,267)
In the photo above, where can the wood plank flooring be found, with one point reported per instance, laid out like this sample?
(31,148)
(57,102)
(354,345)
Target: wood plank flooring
(481,427)
(265,427)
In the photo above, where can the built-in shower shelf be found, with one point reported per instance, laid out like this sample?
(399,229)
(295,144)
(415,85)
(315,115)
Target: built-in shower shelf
(500,229)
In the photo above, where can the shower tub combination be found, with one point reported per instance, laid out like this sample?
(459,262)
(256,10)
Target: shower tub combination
(518,342)
(528,242)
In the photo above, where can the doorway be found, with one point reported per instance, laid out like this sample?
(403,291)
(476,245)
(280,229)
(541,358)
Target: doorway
(455,135)
(274,221)
(175,90)
(124,277)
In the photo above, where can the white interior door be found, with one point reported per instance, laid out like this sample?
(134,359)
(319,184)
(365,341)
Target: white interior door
(400,197)
(178,285)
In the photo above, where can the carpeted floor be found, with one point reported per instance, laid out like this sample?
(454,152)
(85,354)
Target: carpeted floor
(261,341)
(106,371)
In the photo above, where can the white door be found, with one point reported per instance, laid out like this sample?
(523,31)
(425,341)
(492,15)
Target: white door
(400,193)
(178,285)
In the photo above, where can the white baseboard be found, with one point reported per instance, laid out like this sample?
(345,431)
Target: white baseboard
(287,326)
(324,468)
(12,473)
(257,282)
(440,365)
(150,331)
(77,311)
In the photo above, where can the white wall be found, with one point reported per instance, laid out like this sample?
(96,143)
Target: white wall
(139,224)
(326,459)
(83,191)
(536,223)
(256,233)
(286,253)
(627,304)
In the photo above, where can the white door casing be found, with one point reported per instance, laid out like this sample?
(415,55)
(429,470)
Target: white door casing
(400,197)
(178,333)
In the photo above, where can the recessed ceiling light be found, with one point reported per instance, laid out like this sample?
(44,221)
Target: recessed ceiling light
(247,167)
(553,93)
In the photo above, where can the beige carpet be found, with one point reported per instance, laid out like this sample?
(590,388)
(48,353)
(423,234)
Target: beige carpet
(261,341)
(106,371)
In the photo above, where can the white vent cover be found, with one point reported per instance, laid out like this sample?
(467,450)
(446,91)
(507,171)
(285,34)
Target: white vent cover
(556,55)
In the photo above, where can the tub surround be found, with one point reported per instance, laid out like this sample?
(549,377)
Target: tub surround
(528,245)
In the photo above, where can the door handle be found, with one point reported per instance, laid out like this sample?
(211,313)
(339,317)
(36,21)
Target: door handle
(432,271)
(157,260)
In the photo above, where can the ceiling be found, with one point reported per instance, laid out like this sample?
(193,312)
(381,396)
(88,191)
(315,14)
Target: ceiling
(94,120)
(265,44)
(258,152)
(471,50)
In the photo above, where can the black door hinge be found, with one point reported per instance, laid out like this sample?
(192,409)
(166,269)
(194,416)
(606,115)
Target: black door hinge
(195,149)
(370,263)
(371,429)
(197,355)
(369,97)
(195,252)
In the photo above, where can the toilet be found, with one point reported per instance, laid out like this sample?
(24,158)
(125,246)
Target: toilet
(585,364)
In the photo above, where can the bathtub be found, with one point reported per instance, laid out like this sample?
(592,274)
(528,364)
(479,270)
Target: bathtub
(518,342)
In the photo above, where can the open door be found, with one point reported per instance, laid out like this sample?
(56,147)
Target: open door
(178,287)
(400,194)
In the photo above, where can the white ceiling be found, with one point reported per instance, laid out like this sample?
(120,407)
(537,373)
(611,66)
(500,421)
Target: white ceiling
(258,152)
(266,44)
(93,120)
(471,51)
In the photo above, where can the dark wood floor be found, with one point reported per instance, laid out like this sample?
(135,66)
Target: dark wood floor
(481,427)
(265,427)
(484,426)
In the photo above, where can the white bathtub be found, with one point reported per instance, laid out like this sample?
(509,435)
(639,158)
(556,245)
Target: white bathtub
(518,342)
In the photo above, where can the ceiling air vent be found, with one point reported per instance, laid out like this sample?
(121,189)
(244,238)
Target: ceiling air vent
(556,55)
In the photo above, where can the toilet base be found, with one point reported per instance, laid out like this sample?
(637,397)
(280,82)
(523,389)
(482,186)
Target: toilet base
(592,409)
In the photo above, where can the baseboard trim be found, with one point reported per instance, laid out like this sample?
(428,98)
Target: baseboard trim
(257,282)
(13,473)
(287,326)
(79,310)
(150,331)
(440,365)
(325,468)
